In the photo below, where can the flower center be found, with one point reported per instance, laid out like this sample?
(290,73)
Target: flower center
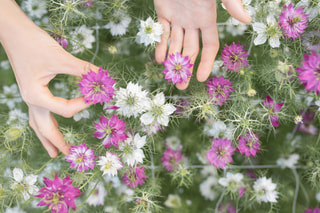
(157,111)
(273,31)
(108,131)
(317,72)
(294,20)
(98,88)
(178,67)
(56,198)
(148,29)
(108,165)
(79,160)
(130,100)
(235,58)
(315,40)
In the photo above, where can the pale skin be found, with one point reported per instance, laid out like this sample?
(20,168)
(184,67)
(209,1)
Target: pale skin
(36,58)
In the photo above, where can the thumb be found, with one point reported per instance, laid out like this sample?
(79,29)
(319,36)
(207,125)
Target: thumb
(236,10)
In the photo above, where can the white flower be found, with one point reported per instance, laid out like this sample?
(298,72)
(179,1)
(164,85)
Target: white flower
(233,182)
(247,7)
(157,111)
(110,209)
(132,100)
(34,8)
(14,210)
(235,30)
(24,184)
(10,96)
(120,25)
(311,7)
(207,188)
(265,190)
(125,192)
(288,162)
(83,114)
(208,170)
(218,129)
(81,38)
(109,164)
(174,143)
(149,32)
(5,65)
(270,31)
(96,198)
(17,118)
(216,70)
(202,157)
(173,201)
(131,147)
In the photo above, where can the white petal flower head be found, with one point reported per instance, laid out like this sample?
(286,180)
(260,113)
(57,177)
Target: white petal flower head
(131,147)
(17,117)
(34,8)
(288,162)
(149,32)
(119,25)
(207,188)
(157,111)
(174,143)
(233,182)
(109,164)
(311,7)
(208,170)
(132,100)
(173,201)
(97,197)
(5,65)
(24,184)
(10,96)
(81,39)
(265,190)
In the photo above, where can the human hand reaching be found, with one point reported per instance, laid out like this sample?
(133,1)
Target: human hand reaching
(36,59)
(182,20)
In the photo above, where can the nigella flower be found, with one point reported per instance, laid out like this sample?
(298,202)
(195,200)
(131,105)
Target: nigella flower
(273,109)
(132,149)
(311,7)
(233,182)
(293,21)
(97,87)
(81,39)
(81,157)
(110,164)
(111,129)
(219,89)
(249,144)
(149,32)
(311,210)
(177,68)
(134,176)
(220,153)
(234,57)
(59,194)
(97,197)
(309,72)
(87,4)
(170,159)
(61,40)
(265,190)
(25,185)
(119,24)
(311,41)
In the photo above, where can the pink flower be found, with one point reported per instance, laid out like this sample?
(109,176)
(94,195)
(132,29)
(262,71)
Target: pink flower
(234,57)
(223,208)
(219,89)
(307,124)
(273,108)
(177,68)
(293,21)
(220,153)
(170,159)
(249,145)
(87,4)
(81,157)
(59,194)
(111,129)
(61,40)
(241,191)
(97,87)
(310,210)
(309,72)
(134,176)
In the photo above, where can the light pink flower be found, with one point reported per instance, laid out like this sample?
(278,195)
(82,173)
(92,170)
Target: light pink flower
(134,176)
(81,157)
(220,153)
(170,159)
(273,108)
(234,57)
(219,89)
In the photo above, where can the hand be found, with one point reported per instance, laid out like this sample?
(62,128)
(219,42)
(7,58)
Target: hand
(186,18)
(36,59)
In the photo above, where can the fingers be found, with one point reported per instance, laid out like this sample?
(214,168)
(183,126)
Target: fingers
(176,40)
(190,49)
(210,49)
(236,10)
(161,48)
(78,67)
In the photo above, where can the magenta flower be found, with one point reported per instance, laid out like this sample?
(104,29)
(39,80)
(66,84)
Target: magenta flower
(59,194)
(309,72)
(182,107)
(234,57)
(307,124)
(249,145)
(170,159)
(61,40)
(111,129)
(293,21)
(97,87)
(177,68)
(310,210)
(87,4)
(134,176)
(220,153)
(81,157)
(219,89)
(273,109)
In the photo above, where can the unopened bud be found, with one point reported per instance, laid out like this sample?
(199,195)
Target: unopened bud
(251,92)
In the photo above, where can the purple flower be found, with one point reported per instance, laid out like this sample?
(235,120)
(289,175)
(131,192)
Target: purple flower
(234,57)
(311,41)
(134,176)
(307,124)
(219,89)
(87,4)
(81,157)
(170,159)
(310,210)
(111,129)
(273,108)
(97,87)
(61,40)
(220,153)
(293,21)
(309,72)
(59,194)
(177,68)
(227,208)
(182,107)
(249,145)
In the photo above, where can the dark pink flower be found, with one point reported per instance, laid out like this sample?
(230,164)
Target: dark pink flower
(219,89)
(241,191)
(170,159)
(111,129)
(59,194)
(234,57)
(87,4)
(81,157)
(273,109)
(310,210)
(309,72)
(220,153)
(134,176)
(97,87)
(177,68)
(249,145)
(182,107)
(61,40)
(227,208)
(293,21)
(307,124)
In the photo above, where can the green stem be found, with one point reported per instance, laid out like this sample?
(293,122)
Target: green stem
(88,180)
(44,165)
